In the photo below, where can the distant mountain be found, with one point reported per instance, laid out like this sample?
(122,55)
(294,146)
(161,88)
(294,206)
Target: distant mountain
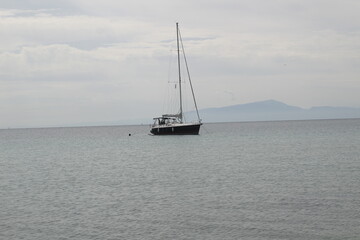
(272,110)
(269,110)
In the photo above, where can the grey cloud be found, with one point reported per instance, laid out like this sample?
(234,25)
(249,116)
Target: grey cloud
(95,55)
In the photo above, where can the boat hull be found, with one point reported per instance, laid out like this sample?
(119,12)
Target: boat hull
(188,129)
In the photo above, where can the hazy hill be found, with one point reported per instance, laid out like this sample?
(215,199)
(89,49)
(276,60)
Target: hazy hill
(269,110)
(274,110)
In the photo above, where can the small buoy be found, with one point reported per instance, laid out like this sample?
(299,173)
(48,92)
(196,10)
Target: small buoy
(129,134)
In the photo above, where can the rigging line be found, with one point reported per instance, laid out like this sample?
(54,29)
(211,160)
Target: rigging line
(170,66)
(166,99)
(169,102)
(188,72)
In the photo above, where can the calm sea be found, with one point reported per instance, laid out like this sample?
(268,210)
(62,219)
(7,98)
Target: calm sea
(258,180)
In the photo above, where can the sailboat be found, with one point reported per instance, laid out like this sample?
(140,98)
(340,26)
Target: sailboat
(174,124)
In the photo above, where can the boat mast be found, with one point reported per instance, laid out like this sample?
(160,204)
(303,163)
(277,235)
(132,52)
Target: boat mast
(178,52)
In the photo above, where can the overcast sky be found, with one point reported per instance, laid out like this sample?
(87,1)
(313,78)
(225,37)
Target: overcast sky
(73,61)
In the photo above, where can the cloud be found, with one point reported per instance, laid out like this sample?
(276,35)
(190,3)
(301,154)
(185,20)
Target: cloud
(112,56)
(32,30)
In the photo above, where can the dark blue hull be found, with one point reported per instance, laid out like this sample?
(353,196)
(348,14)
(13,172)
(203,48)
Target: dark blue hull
(188,129)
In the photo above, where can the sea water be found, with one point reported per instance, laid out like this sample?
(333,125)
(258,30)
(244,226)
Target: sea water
(255,180)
